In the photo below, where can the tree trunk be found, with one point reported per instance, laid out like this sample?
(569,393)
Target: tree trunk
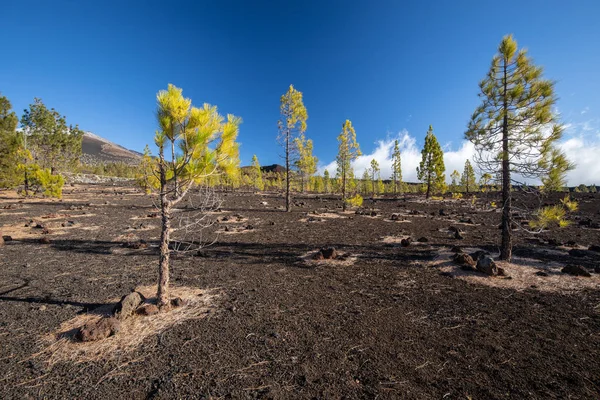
(26,183)
(288,198)
(506,246)
(163,265)
(343,189)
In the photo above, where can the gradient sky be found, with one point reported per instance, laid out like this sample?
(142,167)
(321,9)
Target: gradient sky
(393,68)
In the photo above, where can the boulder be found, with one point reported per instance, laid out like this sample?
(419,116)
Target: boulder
(395,217)
(487,265)
(406,242)
(128,304)
(177,302)
(147,309)
(328,253)
(578,253)
(464,259)
(99,329)
(478,254)
(575,270)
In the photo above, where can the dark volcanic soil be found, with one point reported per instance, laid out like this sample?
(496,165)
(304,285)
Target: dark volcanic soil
(385,323)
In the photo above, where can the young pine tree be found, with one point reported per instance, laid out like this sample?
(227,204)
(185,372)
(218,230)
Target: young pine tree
(326,182)
(348,151)
(455,185)
(257,177)
(292,122)
(514,130)
(397,168)
(468,177)
(431,169)
(374,172)
(207,146)
(306,162)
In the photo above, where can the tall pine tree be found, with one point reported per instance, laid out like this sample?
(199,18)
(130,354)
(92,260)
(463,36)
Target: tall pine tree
(348,151)
(431,169)
(467,180)
(397,168)
(515,129)
(9,145)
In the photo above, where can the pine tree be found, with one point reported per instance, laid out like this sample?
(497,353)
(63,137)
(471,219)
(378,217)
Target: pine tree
(326,182)
(348,151)
(374,172)
(306,162)
(52,143)
(397,168)
(467,180)
(10,142)
(291,123)
(257,178)
(207,145)
(365,183)
(431,169)
(145,177)
(557,166)
(515,129)
(455,185)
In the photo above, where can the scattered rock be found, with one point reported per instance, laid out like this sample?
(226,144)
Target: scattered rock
(44,240)
(373,213)
(249,227)
(406,242)
(578,253)
(147,309)
(466,221)
(177,302)
(139,244)
(487,265)
(422,239)
(442,212)
(501,271)
(463,259)
(575,270)
(329,253)
(554,242)
(478,254)
(99,329)
(594,248)
(456,249)
(128,304)
(395,217)
(542,273)
(7,238)
(67,224)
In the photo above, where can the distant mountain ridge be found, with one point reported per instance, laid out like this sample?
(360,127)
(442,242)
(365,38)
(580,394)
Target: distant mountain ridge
(96,149)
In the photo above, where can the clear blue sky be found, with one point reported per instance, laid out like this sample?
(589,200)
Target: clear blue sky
(387,66)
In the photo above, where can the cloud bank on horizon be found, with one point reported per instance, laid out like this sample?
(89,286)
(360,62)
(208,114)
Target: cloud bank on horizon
(581,145)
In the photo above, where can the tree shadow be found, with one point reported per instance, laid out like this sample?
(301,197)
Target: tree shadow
(91,308)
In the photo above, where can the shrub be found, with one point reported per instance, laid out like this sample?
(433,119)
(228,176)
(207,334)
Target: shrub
(551,216)
(570,205)
(51,185)
(436,198)
(355,201)
(457,196)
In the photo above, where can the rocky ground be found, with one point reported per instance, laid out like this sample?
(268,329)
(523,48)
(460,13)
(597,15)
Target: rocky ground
(389,317)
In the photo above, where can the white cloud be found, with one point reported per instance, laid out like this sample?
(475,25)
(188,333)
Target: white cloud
(410,156)
(583,150)
(585,110)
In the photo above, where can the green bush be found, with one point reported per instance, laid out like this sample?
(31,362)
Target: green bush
(355,201)
(50,185)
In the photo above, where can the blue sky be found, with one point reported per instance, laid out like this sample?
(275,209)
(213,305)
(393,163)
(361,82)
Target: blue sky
(391,67)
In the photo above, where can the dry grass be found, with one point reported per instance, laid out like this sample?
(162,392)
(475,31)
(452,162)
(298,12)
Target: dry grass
(61,346)
(522,272)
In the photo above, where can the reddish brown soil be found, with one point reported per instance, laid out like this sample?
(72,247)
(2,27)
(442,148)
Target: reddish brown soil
(388,325)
